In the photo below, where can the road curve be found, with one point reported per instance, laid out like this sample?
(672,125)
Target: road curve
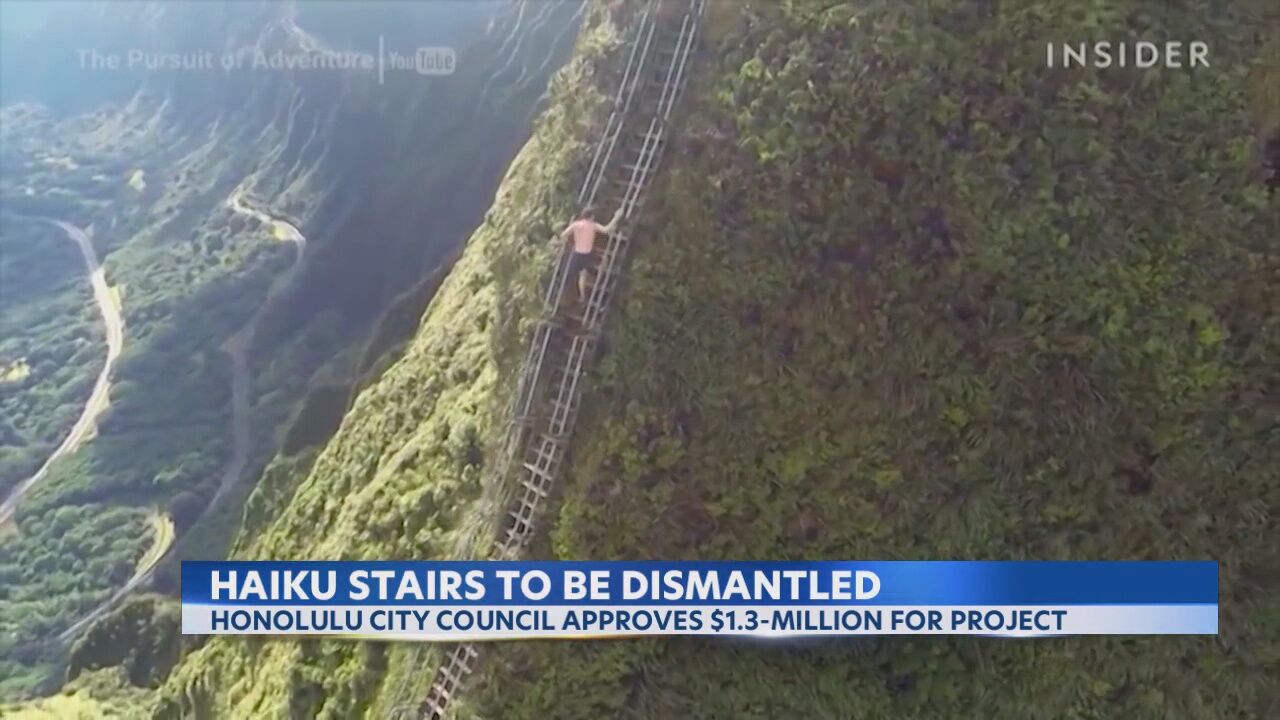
(112,318)
(163,531)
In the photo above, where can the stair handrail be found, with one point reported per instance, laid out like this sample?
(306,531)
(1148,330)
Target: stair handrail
(620,103)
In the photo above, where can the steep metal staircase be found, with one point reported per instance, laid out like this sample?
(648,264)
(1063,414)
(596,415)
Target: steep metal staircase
(549,390)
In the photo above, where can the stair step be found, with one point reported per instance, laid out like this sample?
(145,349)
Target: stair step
(633,167)
(541,493)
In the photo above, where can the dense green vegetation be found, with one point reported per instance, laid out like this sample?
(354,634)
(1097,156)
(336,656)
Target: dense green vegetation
(919,297)
(143,637)
(59,565)
(101,695)
(51,344)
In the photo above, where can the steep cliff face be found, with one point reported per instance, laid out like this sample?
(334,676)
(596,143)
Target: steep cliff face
(402,476)
(909,294)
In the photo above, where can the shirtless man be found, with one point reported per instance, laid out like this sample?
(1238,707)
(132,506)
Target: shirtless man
(582,233)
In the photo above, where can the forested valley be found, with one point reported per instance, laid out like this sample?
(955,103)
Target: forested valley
(238,340)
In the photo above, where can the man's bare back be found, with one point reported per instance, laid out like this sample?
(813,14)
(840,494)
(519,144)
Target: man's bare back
(582,233)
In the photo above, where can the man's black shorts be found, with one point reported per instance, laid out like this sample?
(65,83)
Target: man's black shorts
(578,261)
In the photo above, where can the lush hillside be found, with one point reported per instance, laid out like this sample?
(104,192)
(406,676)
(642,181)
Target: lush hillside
(102,695)
(402,476)
(907,294)
(143,637)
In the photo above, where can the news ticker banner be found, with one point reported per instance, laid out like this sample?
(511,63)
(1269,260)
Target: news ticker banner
(499,600)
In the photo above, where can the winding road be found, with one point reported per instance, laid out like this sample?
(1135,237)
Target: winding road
(237,347)
(109,305)
(163,536)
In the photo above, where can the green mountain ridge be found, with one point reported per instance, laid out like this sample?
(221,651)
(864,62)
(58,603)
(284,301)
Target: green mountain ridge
(402,476)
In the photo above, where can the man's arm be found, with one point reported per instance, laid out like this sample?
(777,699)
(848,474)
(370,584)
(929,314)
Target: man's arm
(608,229)
(568,230)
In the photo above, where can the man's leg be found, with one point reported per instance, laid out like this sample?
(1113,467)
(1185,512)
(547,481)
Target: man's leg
(582,285)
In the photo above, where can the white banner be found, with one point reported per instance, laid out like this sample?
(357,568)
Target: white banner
(484,622)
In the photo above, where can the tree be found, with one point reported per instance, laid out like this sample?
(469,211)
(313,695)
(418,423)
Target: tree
(185,508)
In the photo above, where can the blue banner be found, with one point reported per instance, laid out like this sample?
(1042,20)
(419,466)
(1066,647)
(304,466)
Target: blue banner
(721,583)
(559,600)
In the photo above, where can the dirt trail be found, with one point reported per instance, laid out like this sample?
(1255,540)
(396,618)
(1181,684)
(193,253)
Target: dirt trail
(109,305)
(238,346)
